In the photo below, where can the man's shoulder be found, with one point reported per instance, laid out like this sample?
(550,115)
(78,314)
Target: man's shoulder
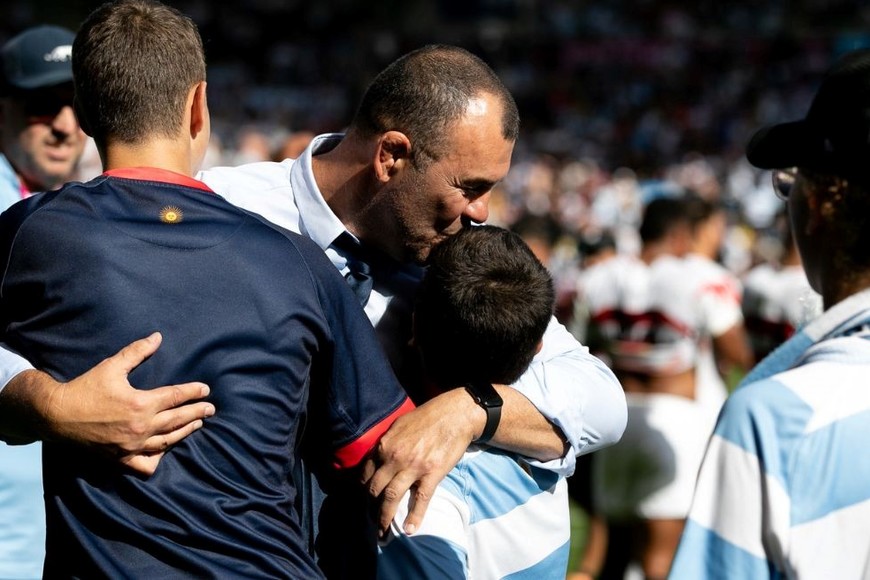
(263,188)
(260,175)
(304,246)
(767,410)
(16,214)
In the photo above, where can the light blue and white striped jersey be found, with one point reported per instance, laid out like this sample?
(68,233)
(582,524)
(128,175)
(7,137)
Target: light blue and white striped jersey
(784,490)
(491,517)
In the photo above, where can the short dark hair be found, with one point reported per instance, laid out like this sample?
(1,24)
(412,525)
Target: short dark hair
(700,209)
(661,216)
(423,92)
(482,308)
(134,63)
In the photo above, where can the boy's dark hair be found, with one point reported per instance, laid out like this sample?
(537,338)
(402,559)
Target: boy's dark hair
(660,216)
(482,308)
(134,63)
(423,92)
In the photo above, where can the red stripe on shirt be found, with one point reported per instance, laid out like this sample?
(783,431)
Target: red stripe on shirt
(156,174)
(354,452)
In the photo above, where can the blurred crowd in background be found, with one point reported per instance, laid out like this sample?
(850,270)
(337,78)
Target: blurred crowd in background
(620,101)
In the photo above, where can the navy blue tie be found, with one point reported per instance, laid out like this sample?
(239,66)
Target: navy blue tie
(359,275)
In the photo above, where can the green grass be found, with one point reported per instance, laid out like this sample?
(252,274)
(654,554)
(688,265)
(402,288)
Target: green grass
(579,531)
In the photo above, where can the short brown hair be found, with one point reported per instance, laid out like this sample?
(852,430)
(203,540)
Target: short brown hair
(482,307)
(423,92)
(134,63)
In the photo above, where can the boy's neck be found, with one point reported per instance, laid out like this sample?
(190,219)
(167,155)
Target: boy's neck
(165,154)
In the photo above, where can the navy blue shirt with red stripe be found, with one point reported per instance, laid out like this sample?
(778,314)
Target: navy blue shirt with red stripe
(256,312)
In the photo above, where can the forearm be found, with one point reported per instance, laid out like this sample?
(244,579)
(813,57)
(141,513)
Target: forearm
(19,394)
(22,407)
(101,409)
(576,393)
(524,430)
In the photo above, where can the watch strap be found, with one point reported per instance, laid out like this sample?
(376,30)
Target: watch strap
(485,395)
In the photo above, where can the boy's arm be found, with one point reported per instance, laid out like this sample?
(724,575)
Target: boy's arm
(101,409)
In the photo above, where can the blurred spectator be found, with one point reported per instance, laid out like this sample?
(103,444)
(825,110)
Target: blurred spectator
(544,236)
(724,347)
(777,298)
(293,145)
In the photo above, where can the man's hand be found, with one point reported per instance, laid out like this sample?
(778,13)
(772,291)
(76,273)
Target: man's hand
(417,452)
(101,409)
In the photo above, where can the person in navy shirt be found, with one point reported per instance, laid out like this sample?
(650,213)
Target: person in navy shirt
(257,312)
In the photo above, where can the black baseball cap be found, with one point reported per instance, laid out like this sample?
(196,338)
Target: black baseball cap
(36,58)
(834,137)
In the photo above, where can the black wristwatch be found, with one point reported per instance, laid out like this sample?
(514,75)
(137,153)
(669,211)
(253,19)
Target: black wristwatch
(485,395)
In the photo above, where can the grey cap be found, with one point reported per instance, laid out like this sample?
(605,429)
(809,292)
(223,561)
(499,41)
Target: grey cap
(38,57)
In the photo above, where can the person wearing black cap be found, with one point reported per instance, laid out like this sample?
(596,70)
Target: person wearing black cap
(40,140)
(783,488)
(40,145)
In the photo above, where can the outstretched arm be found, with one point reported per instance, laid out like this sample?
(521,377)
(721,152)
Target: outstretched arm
(421,447)
(101,409)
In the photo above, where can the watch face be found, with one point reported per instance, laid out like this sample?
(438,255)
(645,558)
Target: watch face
(486,394)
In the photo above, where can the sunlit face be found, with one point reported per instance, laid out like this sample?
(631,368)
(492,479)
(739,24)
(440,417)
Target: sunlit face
(427,205)
(41,137)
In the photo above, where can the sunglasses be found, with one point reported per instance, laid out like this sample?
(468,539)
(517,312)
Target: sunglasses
(783,181)
(42,106)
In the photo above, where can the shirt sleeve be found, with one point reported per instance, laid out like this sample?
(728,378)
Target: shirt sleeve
(10,365)
(355,396)
(578,393)
(719,301)
(739,522)
(438,550)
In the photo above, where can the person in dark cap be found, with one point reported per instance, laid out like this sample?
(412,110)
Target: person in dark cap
(783,488)
(40,140)
(40,144)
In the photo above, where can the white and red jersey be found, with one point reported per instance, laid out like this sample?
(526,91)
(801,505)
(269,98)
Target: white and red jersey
(609,292)
(659,319)
(706,296)
(776,302)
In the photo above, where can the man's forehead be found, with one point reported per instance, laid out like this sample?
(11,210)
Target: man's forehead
(477,107)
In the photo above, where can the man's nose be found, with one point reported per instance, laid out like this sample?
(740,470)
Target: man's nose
(478,210)
(65,122)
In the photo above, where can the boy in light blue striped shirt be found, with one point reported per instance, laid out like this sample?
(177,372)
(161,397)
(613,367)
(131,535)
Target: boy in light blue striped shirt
(479,317)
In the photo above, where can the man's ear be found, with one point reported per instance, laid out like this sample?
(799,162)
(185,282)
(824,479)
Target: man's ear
(391,155)
(198,109)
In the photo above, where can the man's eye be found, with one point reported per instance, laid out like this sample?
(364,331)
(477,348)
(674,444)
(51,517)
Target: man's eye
(476,191)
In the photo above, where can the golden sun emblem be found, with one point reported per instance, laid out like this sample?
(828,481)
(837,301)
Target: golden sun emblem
(171,214)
